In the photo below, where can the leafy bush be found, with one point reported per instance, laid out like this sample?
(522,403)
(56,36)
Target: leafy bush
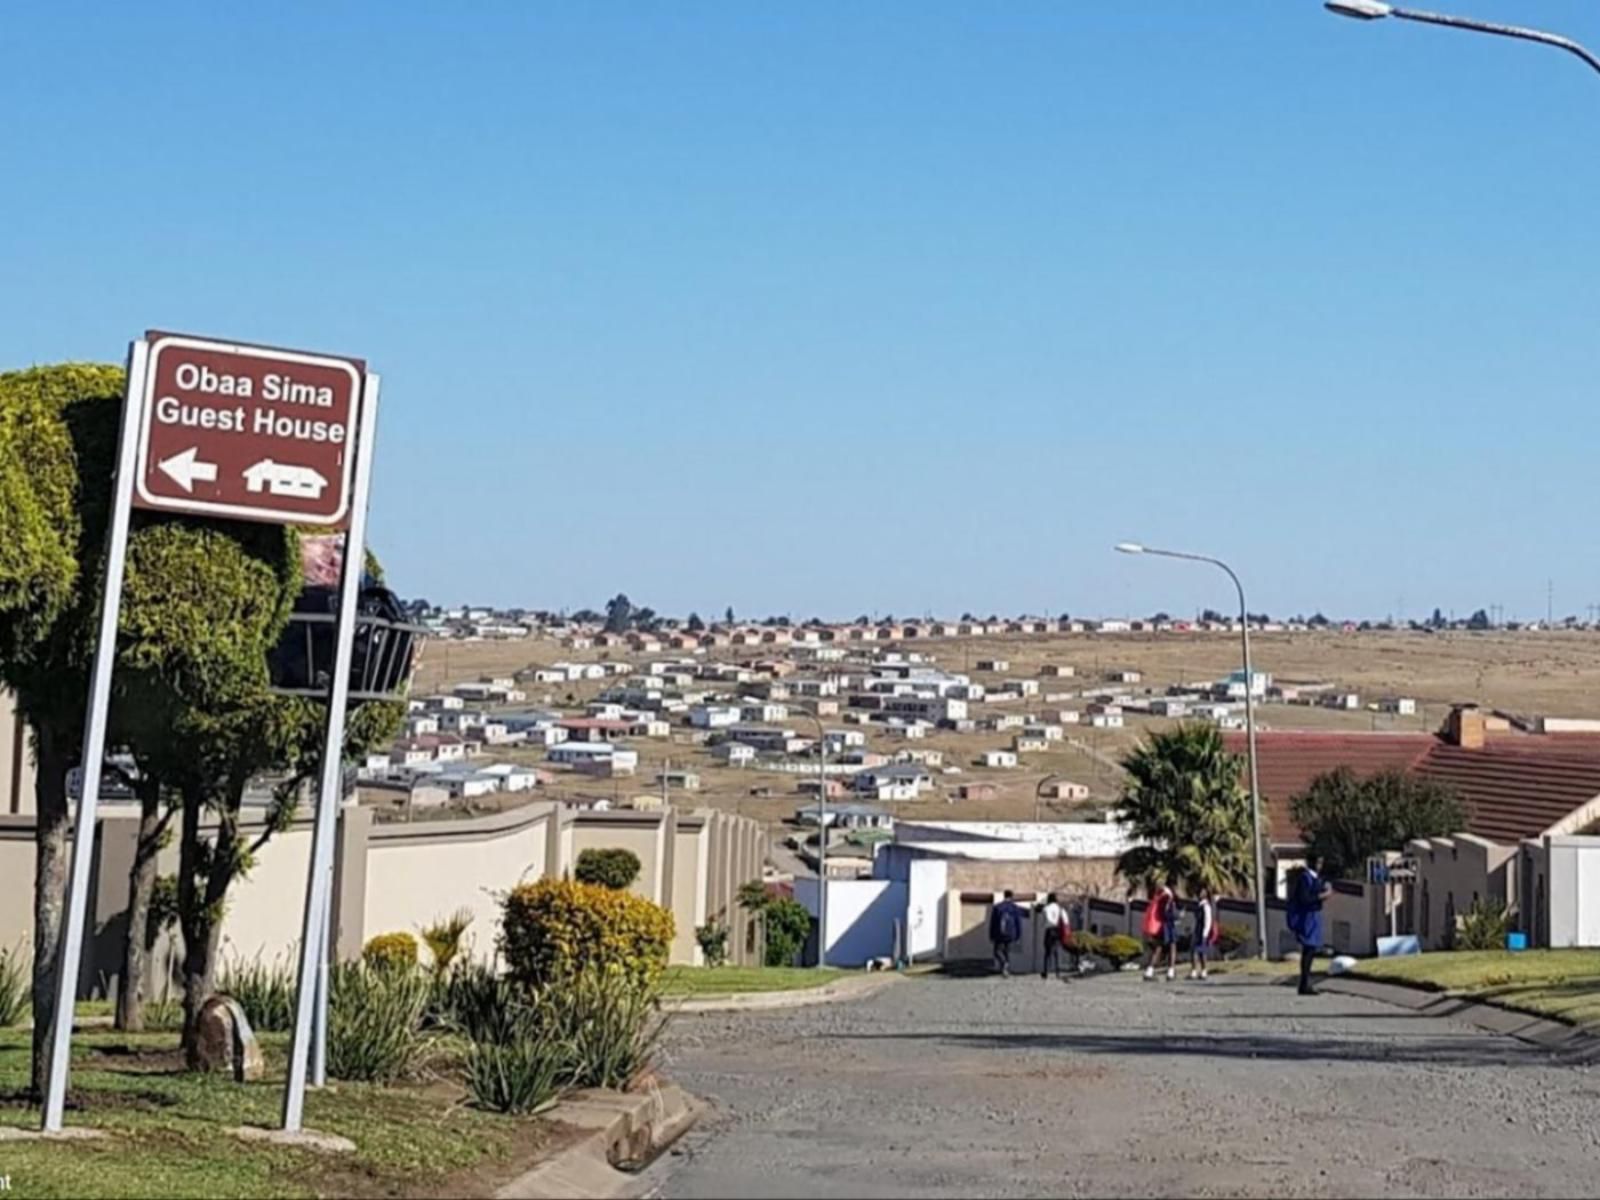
(519,1071)
(390,950)
(555,926)
(713,940)
(1119,948)
(615,869)
(1232,938)
(265,991)
(374,1021)
(16,982)
(444,938)
(1483,926)
(608,1018)
(1087,943)
(788,924)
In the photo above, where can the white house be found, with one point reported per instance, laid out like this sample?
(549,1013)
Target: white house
(1048,733)
(1347,700)
(570,753)
(763,711)
(995,666)
(713,716)
(1000,758)
(1024,743)
(1106,720)
(900,781)
(513,777)
(474,691)
(735,754)
(464,783)
(839,739)
(1403,706)
(421,723)
(444,702)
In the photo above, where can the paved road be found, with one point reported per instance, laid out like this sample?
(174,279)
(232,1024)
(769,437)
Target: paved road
(1111,1086)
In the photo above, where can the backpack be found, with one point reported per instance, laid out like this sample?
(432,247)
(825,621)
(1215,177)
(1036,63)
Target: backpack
(1010,923)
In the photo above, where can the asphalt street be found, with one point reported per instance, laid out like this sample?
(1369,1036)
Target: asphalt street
(1111,1086)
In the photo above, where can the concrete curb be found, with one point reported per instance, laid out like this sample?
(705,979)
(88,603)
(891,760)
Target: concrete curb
(620,1130)
(1572,1044)
(852,988)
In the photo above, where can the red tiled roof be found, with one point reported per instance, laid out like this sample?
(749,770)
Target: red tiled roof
(1286,763)
(1515,786)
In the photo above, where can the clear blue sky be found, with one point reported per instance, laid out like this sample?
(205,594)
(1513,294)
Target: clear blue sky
(829,307)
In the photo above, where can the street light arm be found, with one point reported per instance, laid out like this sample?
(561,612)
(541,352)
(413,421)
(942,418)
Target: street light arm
(1510,31)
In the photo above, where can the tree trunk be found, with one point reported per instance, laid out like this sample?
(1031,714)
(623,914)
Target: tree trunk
(191,919)
(141,885)
(202,930)
(49,898)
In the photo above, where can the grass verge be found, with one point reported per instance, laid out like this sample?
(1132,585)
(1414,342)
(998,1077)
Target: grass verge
(168,1131)
(1563,984)
(729,981)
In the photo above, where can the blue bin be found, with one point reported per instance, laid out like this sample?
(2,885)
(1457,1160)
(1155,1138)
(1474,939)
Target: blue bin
(1516,941)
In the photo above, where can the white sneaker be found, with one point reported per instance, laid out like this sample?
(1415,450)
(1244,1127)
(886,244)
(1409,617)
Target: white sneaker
(1203,975)
(1195,975)
(1149,972)
(1171,974)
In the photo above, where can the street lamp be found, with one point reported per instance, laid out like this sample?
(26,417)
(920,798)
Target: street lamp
(1249,710)
(1374,10)
(1038,794)
(822,841)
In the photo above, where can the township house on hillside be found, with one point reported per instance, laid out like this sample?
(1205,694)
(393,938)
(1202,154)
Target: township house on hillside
(1526,796)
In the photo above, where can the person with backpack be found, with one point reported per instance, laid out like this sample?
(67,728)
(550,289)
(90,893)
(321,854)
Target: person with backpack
(1307,891)
(1161,927)
(1057,933)
(1005,930)
(1207,932)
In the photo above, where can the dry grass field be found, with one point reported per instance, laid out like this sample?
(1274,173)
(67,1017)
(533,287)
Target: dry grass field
(1556,673)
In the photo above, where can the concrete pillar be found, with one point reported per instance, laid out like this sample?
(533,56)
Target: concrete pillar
(116,841)
(353,839)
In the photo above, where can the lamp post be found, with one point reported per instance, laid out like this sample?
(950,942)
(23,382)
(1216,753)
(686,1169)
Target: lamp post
(1375,10)
(1249,723)
(1038,794)
(822,841)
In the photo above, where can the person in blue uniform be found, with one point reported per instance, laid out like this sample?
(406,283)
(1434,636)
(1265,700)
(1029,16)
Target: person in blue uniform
(1305,915)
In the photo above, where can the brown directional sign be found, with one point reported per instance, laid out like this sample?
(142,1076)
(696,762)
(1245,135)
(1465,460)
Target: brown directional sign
(248,432)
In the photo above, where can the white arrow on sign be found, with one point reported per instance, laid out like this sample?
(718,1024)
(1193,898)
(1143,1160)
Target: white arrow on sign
(183,469)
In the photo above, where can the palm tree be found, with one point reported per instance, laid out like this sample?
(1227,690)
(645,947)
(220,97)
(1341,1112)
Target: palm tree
(1184,805)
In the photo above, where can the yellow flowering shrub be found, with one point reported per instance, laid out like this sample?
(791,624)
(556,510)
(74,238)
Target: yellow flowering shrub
(552,928)
(390,950)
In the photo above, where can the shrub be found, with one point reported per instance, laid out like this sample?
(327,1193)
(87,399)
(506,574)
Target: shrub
(1119,948)
(788,924)
(444,937)
(1483,926)
(390,950)
(1087,943)
(520,1071)
(266,992)
(479,1003)
(615,869)
(16,982)
(374,1021)
(713,939)
(1232,938)
(555,926)
(608,1018)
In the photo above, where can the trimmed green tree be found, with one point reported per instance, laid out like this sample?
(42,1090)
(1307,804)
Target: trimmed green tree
(614,868)
(1348,819)
(1187,811)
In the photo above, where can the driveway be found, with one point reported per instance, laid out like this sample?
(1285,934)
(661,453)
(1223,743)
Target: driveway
(1111,1086)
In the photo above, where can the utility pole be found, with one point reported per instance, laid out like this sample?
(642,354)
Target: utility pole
(1549,602)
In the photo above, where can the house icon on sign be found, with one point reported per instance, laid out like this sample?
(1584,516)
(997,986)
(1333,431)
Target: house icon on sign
(284,479)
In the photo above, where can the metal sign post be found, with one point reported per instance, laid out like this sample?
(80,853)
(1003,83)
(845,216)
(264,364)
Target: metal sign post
(313,938)
(70,950)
